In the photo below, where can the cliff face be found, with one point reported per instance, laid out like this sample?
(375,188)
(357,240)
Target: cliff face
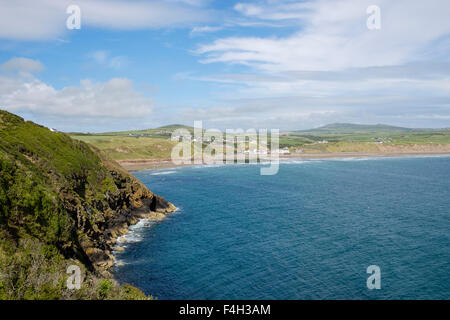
(64,195)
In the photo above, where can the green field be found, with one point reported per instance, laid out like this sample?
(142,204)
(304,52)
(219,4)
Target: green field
(361,138)
(156,143)
(122,147)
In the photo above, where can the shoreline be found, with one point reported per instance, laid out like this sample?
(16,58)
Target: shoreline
(121,240)
(153,164)
(118,234)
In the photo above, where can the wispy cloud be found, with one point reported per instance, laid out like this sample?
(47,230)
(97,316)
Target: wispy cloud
(204,29)
(303,112)
(333,35)
(271,10)
(22,65)
(46,19)
(332,67)
(104,58)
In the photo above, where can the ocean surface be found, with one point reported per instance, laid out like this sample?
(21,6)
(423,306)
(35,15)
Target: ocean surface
(309,232)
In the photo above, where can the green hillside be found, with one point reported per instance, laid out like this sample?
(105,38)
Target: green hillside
(173,127)
(129,147)
(356,128)
(62,203)
(348,137)
(163,132)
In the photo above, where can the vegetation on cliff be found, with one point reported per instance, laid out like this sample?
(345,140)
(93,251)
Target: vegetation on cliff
(62,203)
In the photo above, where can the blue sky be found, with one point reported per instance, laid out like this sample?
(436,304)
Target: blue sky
(250,64)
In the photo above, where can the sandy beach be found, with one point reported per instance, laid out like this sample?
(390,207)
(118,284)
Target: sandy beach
(150,164)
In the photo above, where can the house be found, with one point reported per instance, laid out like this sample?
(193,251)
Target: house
(258,151)
(285,150)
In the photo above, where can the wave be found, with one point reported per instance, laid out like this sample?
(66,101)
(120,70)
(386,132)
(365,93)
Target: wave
(135,232)
(296,161)
(354,159)
(161,173)
(216,165)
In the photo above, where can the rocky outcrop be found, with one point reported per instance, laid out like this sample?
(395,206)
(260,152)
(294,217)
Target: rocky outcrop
(114,215)
(67,194)
(136,203)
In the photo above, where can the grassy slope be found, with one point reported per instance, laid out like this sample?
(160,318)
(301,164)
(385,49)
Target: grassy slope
(335,128)
(341,137)
(123,147)
(134,144)
(161,132)
(363,138)
(56,196)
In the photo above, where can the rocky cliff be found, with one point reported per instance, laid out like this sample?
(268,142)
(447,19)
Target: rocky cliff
(62,202)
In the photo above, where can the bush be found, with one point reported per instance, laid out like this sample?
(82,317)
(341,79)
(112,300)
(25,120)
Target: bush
(105,288)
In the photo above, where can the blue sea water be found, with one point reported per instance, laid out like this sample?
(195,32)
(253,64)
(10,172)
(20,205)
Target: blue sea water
(309,232)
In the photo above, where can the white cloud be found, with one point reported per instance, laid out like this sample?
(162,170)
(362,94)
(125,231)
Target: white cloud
(303,112)
(274,10)
(203,29)
(196,3)
(248,9)
(23,65)
(105,59)
(333,35)
(115,98)
(413,79)
(46,19)
(332,68)
(99,56)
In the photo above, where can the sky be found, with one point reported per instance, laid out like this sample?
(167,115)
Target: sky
(232,64)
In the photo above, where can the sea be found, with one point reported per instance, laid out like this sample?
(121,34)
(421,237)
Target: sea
(357,228)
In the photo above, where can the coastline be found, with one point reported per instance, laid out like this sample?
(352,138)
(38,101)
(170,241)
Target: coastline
(148,164)
(153,164)
(162,209)
(121,239)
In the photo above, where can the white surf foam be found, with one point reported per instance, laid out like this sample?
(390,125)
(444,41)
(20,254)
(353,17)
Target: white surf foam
(162,173)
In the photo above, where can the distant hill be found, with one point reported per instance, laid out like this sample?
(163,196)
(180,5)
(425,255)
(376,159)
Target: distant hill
(337,128)
(160,132)
(174,127)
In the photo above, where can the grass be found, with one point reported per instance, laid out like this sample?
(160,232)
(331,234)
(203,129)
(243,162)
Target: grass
(364,142)
(156,144)
(123,147)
